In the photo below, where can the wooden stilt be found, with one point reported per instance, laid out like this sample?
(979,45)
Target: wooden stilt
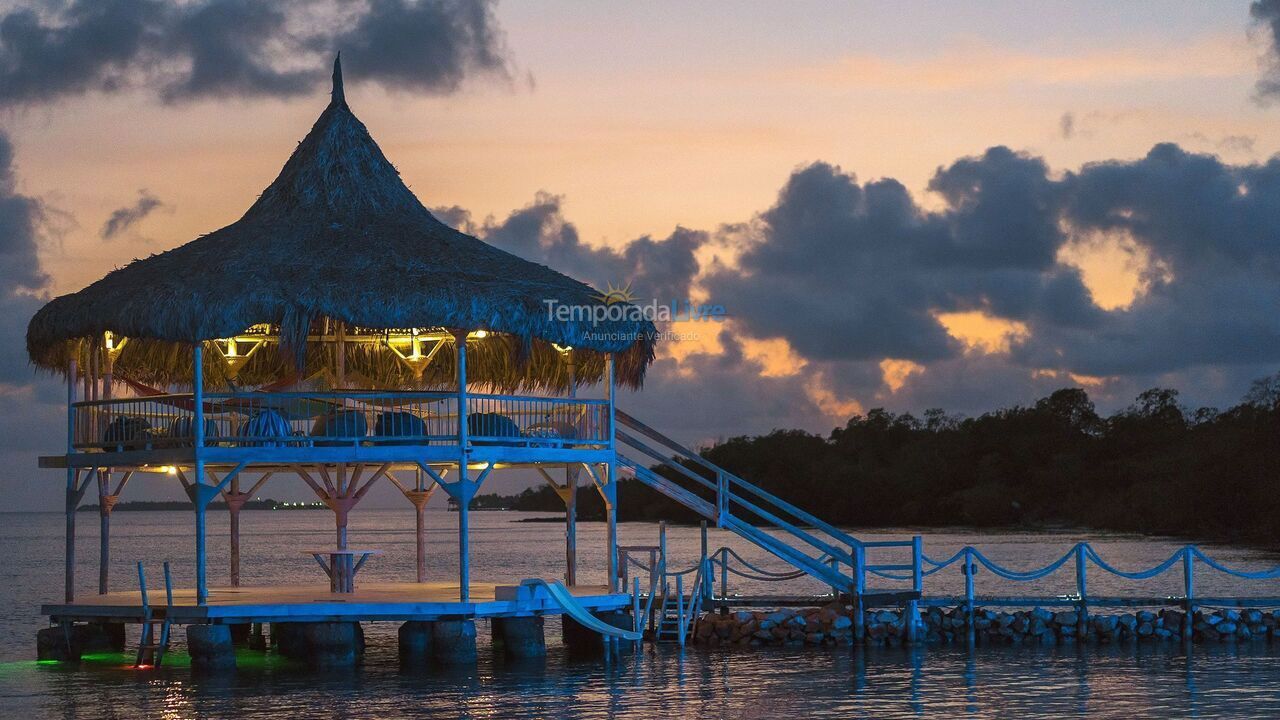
(106,501)
(571,526)
(418,495)
(235,501)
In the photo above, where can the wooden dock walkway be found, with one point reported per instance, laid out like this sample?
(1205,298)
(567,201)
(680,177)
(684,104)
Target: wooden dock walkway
(371,601)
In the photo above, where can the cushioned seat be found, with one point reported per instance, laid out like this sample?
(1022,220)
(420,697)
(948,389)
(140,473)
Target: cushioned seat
(182,430)
(265,424)
(399,424)
(127,432)
(491,425)
(551,430)
(341,424)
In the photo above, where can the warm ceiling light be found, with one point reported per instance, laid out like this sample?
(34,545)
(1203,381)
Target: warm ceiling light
(480,334)
(233,354)
(113,347)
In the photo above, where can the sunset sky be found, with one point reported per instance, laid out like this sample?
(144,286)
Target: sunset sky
(903,205)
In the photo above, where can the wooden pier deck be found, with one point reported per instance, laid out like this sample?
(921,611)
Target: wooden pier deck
(371,601)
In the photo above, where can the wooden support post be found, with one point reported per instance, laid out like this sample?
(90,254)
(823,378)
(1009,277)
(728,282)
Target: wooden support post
(419,499)
(571,526)
(235,502)
(418,495)
(607,486)
(106,502)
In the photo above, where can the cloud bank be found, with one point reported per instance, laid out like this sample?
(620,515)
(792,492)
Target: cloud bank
(242,48)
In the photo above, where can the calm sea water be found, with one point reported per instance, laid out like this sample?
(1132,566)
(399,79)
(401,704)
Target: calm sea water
(1121,682)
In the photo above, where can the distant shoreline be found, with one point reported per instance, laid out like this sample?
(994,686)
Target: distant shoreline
(169,505)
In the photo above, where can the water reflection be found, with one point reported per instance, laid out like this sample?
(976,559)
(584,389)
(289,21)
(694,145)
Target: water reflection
(1118,681)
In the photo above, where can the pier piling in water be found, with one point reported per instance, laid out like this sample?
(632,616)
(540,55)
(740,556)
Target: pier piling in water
(58,643)
(582,641)
(210,647)
(453,642)
(415,641)
(320,644)
(520,637)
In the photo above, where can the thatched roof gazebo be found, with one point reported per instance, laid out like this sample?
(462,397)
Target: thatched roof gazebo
(337,244)
(340,333)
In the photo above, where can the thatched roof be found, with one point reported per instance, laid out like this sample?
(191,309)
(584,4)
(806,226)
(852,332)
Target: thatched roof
(338,236)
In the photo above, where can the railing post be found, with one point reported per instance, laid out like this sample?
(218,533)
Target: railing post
(707,581)
(722,498)
(1188,589)
(702,557)
(859,587)
(724,577)
(917,586)
(835,569)
(969,570)
(662,544)
(1082,591)
(623,571)
(680,607)
(636,623)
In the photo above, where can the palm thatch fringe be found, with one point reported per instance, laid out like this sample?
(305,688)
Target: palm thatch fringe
(500,362)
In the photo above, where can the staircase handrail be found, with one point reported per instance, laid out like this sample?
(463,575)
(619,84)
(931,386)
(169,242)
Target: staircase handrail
(803,516)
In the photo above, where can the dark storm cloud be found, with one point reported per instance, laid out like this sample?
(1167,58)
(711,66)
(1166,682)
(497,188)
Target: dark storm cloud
(228,44)
(21,276)
(424,46)
(1267,14)
(123,218)
(655,269)
(846,271)
(1212,294)
(19,217)
(849,272)
(242,48)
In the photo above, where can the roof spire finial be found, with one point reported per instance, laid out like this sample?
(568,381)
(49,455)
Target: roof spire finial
(338,96)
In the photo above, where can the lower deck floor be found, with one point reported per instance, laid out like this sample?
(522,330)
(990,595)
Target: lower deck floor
(371,601)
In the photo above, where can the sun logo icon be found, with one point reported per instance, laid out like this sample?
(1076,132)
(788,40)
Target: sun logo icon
(616,295)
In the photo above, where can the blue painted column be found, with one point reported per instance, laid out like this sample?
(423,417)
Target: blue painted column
(464,481)
(71,500)
(611,481)
(197,395)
